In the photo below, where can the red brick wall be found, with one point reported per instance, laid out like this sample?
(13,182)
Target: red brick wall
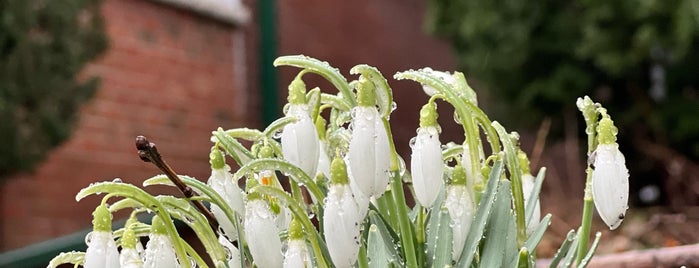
(170,75)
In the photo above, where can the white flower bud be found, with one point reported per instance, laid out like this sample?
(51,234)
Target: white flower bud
(262,234)
(369,152)
(297,255)
(341,221)
(101,250)
(461,209)
(527,188)
(160,252)
(300,144)
(222,182)
(610,184)
(427,166)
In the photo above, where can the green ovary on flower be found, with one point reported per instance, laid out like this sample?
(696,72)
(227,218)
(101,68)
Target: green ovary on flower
(606,131)
(428,115)
(101,248)
(216,159)
(102,219)
(130,256)
(366,93)
(160,251)
(297,91)
(297,254)
(338,171)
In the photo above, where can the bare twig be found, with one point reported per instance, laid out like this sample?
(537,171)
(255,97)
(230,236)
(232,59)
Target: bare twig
(149,153)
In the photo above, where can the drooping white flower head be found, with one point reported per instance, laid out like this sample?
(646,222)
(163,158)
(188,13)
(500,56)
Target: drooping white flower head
(369,152)
(461,206)
(297,254)
(160,252)
(130,257)
(101,248)
(341,219)
(222,182)
(300,144)
(610,177)
(233,252)
(262,233)
(426,159)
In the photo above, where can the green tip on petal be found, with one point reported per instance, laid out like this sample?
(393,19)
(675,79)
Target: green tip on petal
(338,171)
(297,91)
(295,230)
(428,115)
(157,225)
(102,219)
(458,175)
(366,93)
(128,239)
(216,159)
(606,131)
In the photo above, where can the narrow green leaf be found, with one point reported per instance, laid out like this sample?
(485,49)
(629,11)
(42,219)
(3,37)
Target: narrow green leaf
(572,251)
(277,126)
(240,154)
(482,215)
(379,248)
(247,134)
(496,240)
(538,233)
(439,238)
(516,177)
(313,101)
(570,237)
(322,68)
(534,195)
(585,261)
(335,101)
(73,257)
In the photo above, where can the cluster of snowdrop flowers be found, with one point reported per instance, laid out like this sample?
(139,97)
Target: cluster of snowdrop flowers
(324,186)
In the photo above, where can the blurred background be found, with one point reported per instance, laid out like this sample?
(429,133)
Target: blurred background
(80,79)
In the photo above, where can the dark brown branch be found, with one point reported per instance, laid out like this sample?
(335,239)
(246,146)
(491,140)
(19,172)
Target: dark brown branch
(149,153)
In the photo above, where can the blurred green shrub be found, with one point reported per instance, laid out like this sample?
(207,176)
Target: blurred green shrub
(43,47)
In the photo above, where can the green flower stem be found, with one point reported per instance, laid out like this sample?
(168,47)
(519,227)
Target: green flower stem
(285,167)
(586,219)
(516,178)
(420,231)
(321,68)
(147,200)
(405,227)
(300,214)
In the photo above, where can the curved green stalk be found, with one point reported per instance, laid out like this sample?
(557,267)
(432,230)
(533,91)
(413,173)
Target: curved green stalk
(321,68)
(516,177)
(236,150)
(73,257)
(300,214)
(278,125)
(405,227)
(148,201)
(285,167)
(335,101)
(244,133)
(384,94)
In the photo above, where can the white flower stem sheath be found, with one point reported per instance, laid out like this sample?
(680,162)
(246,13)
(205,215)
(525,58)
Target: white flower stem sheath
(369,151)
(261,231)
(610,178)
(300,144)
(341,219)
(461,207)
(101,248)
(426,159)
(222,182)
(160,252)
(297,255)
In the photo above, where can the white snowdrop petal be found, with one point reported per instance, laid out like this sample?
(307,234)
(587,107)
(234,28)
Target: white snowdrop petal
(427,166)
(101,251)
(160,253)
(300,144)
(461,210)
(222,182)
(382,156)
(233,252)
(527,188)
(369,152)
(297,255)
(130,258)
(610,184)
(341,219)
(263,235)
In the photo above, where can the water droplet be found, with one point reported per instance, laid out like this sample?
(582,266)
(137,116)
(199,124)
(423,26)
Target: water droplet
(394,106)
(412,142)
(277,134)
(117,180)
(88,238)
(457,118)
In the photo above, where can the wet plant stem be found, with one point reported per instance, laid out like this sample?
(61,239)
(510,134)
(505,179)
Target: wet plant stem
(148,152)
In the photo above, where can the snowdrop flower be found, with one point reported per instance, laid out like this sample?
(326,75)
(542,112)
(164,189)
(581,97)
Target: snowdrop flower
(297,255)
(222,182)
(426,159)
(130,257)
(261,231)
(369,152)
(233,252)
(300,144)
(341,218)
(460,204)
(101,248)
(160,252)
(610,178)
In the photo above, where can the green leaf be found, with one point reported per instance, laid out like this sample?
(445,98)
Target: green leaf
(277,126)
(538,233)
(482,215)
(586,260)
(380,244)
(439,238)
(570,237)
(534,195)
(516,177)
(73,257)
(285,167)
(572,251)
(496,234)
(322,68)
(384,94)
(336,102)
(240,154)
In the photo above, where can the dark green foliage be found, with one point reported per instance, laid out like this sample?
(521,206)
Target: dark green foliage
(43,47)
(542,55)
